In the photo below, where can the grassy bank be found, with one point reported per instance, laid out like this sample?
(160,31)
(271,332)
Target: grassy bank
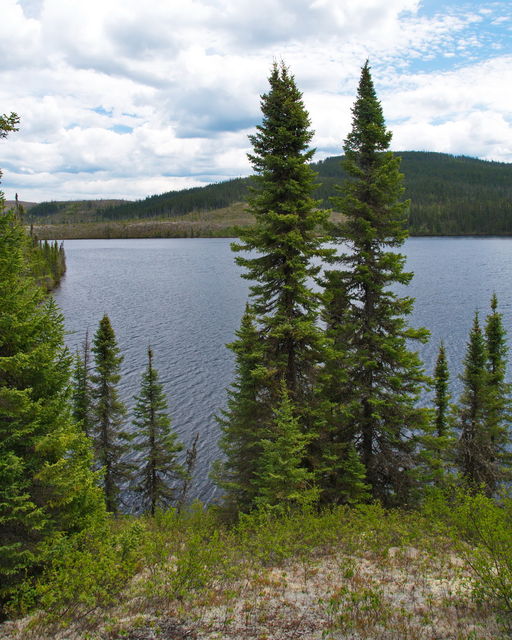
(360,573)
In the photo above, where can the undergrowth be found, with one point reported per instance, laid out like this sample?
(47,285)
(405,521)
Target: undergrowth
(178,563)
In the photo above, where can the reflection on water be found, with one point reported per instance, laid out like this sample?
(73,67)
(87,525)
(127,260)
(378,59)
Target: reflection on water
(185,297)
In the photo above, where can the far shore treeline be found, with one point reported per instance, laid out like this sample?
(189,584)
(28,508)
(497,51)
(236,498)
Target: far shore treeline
(322,434)
(449,195)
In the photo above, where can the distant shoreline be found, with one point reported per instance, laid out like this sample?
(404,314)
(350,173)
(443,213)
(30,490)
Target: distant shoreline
(173,229)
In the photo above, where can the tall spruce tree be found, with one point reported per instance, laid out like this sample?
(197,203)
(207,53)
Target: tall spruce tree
(157,443)
(383,378)
(483,415)
(47,487)
(110,439)
(285,241)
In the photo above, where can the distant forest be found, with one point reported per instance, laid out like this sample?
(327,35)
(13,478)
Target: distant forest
(449,195)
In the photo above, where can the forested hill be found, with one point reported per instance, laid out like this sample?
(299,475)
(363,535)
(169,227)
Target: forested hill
(449,195)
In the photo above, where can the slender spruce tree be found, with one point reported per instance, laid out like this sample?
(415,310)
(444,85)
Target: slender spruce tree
(383,377)
(158,444)
(283,242)
(474,453)
(110,439)
(499,409)
(241,439)
(437,443)
(82,391)
(189,467)
(442,394)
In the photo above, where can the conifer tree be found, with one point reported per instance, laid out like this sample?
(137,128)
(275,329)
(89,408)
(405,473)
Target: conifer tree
(190,464)
(437,442)
(383,377)
(240,440)
(442,397)
(157,443)
(47,488)
(111,441)
(282,481)
(340,472)
(474,447)
(285,241)
(498,411)
(82,392)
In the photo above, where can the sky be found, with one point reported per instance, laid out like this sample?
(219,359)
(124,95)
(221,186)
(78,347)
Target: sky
(124,99)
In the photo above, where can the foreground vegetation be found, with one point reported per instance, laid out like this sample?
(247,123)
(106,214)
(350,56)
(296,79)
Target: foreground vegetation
(363,572)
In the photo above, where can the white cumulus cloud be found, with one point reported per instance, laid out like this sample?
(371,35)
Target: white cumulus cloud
(123,99)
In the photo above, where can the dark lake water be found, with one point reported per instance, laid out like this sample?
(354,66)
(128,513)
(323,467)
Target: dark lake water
(185,297)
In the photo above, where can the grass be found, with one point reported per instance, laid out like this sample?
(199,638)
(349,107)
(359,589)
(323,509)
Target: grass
(360,573)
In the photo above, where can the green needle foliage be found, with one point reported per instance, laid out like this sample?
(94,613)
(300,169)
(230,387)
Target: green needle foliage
(442,399)
(383,378)
(240,439)
(498,412)
(283,242)
(282,481)
(437,442)
(82,391)
(483,414)
(157,443)
(47,488)
(474,453)
(111,441)
(341,474)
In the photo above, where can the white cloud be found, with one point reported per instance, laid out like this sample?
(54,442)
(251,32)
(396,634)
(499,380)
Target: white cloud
(124,99)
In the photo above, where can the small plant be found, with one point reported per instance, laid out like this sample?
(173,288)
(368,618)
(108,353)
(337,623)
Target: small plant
(486,528)
(87,571)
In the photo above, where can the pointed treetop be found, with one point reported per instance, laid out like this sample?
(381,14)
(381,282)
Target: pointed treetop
(369,131)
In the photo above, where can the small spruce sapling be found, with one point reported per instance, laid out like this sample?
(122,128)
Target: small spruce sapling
(157,443)
(82,390)
(474,451)
(110,439)
(282,481)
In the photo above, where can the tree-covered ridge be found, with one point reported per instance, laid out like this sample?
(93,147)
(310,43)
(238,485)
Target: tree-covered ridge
(171,204)
(448,194)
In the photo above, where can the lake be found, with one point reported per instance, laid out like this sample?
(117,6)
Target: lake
(185,298)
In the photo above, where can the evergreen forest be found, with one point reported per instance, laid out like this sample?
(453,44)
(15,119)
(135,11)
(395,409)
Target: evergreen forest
(327,458)
(449,195)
